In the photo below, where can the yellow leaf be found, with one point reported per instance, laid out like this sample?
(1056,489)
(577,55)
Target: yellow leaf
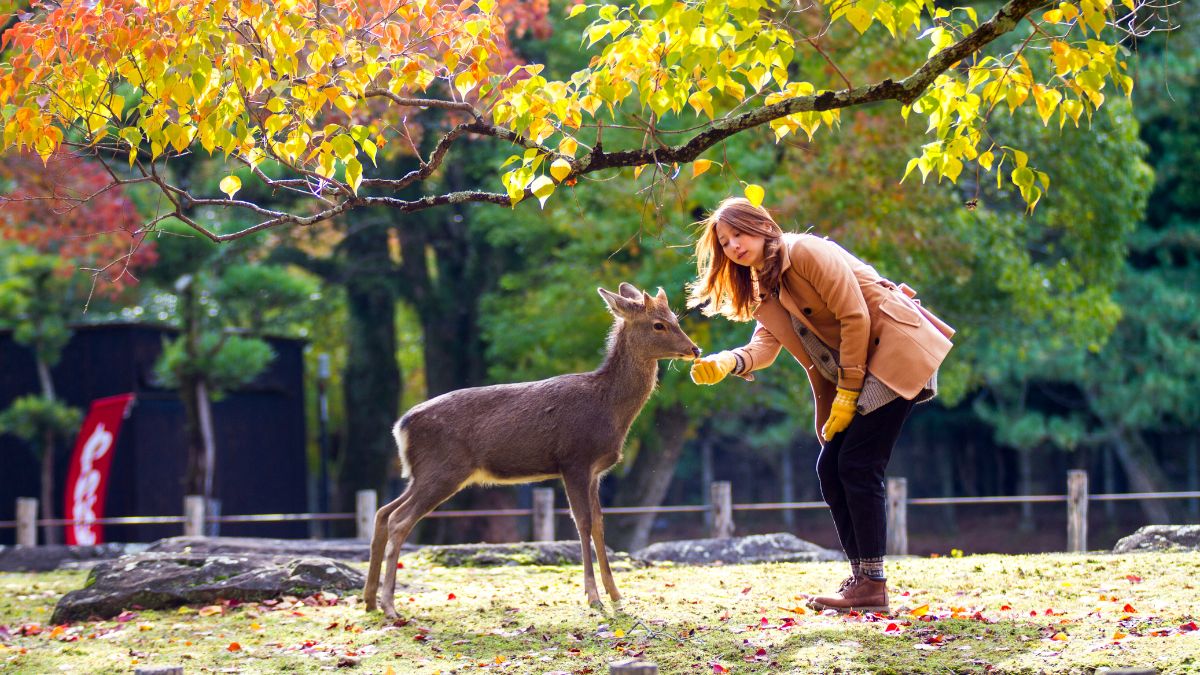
(1060,637)
(568,146)
(755,194)
(1120,635)
(560,169)
(985,160)
(211,609)
(637,171)
(229,185)
(542,187)
(859,18)
(700,166)
(920,611)
(354,175)
(577,10)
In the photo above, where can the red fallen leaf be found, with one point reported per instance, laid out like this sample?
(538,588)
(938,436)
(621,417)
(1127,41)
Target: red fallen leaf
(29,629)
(669,585)
(331,626)
(452,597)
(234,647)
(978,616)
(1129,609)
(125,616)
(1133,578)
(1005,608)
(853,615)
(1033,612)
(718,668)
(1048,612)
(746,590)
(1188,627)
(420,637)
(574,650)
(788,622)
(763,622)
(399,565)
(761,652)
(933,640)
(892,628)
(725,617)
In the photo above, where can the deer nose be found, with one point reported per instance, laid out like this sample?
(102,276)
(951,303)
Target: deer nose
(696,352)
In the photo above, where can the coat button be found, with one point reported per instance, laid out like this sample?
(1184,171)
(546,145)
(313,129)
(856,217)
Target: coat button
(825,358)
(803,331)
(807,311)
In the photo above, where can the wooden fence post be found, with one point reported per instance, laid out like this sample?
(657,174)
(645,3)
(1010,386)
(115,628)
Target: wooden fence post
(27,508)
(543,514)
(1077,510)
(722,509)
(193,516)
(632,667)
(366,503)
(897,516)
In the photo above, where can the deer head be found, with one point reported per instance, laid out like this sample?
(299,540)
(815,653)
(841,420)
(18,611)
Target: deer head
(650,327)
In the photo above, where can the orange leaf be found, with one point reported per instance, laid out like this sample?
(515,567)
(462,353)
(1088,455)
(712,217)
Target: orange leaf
(920,611)
(234,647)
(1129,608)
(1120,635)
(1061,637)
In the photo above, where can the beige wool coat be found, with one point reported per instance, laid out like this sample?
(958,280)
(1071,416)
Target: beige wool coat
(875,325)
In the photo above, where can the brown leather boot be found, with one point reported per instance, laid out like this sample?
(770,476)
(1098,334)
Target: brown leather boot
(862,595)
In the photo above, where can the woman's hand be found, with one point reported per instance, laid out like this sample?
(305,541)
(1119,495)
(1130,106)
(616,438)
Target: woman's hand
(840,413)
(713,369)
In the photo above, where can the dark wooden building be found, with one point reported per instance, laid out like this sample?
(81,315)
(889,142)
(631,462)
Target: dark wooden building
(260,433)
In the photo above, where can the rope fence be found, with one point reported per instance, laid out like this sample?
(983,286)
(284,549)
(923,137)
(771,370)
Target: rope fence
(543,511)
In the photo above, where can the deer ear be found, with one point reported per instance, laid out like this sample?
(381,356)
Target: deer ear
(647,301)
(617,304)
(629,290)
(662,296)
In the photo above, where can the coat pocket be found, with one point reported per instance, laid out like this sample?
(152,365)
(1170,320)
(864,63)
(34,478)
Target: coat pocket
(901,312)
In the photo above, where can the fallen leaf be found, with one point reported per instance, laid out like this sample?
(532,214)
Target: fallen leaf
(718,668)
(1188,627)
(452,597)
(1060,637)
(211,610)
(746,590)
(1120,635)
(1005,608)
(920,611)
(234,647)
(1133,578)
(1128,608)
(892,628)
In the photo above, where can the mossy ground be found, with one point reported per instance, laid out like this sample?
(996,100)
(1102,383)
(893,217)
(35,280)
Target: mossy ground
(976,614)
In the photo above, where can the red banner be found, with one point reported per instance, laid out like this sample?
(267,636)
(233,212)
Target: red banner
(87,477)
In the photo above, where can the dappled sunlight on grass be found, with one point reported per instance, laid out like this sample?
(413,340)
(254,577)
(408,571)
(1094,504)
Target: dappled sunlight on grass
(974,614)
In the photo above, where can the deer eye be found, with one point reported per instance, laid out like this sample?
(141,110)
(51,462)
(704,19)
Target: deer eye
(658,325)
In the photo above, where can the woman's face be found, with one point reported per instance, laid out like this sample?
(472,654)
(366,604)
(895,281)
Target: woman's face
(740,247)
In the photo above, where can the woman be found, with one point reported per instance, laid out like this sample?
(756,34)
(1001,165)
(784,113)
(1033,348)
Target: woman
(870,351)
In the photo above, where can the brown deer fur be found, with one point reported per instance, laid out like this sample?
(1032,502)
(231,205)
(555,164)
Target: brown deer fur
(569,426)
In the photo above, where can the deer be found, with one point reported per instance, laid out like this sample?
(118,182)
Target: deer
(571,427)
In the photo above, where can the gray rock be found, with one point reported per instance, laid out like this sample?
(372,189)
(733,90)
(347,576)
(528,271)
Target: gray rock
(56,556)
(164,580)
(493,555)
(338,549)
(1161,538)
(778,547)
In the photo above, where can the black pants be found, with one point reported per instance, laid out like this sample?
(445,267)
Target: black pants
(850,470)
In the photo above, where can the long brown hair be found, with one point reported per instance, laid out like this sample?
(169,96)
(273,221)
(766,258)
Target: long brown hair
(723,286)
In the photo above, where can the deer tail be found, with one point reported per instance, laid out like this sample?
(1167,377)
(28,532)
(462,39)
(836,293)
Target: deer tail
(400,431)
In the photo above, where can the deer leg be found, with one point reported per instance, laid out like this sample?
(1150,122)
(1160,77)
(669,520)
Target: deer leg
(598,540)
(425,498)
(578,498)
(378,545)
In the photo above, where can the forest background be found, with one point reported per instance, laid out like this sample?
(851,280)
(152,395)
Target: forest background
(1079,324)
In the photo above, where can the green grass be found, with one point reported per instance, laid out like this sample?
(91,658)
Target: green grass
(743,618)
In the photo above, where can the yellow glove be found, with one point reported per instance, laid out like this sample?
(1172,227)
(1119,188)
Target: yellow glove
(713,369)
(840,414)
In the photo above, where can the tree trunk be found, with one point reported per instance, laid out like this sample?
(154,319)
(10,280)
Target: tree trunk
(207,437)
(1025,471)
(707,476)
(1143,472)
(646,482)
(371,383)
(194,479)
(787,485)
(51,534)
